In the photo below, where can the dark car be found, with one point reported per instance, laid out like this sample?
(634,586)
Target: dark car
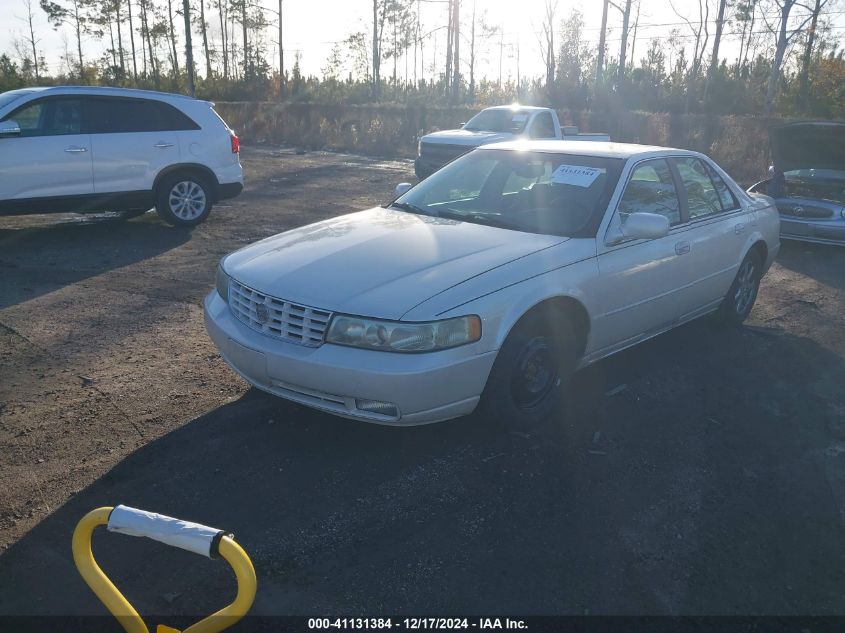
(807,180)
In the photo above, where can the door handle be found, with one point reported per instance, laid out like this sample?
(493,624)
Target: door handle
(73,149)
(163,145)
(681,248)
(739,228)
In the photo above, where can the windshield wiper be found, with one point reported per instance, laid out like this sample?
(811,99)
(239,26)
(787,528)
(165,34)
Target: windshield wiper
(410,208)
(477,218)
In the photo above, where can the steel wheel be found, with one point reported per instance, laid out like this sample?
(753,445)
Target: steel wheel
(187,200)
(535,374)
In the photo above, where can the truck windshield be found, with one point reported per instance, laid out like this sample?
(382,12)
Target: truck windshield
(512,121)
(534,192)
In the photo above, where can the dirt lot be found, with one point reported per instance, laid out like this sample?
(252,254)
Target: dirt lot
(702,472)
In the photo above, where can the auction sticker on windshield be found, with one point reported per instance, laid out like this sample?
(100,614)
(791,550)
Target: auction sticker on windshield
(576,175)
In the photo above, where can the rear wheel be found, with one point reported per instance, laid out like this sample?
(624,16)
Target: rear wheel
(737,304)
(183,199)
(524,388)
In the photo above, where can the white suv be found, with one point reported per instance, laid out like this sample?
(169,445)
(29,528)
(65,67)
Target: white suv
(87,149)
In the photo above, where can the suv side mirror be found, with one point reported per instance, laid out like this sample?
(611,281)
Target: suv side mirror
(401,189)
(9,128)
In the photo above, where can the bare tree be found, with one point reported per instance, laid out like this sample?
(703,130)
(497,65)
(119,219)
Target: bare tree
(626,26)
(701,34)
(189,48)
(456,48)
(77,15)
(132,39)
(548,42)
(804,79)
(33,43)
(785,29)
(602,42)
(172,36)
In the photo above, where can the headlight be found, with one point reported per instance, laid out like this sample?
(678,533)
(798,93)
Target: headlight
(222,283)
(397,336)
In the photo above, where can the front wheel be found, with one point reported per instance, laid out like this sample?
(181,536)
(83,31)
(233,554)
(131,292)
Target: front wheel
(737,304)
(524,388)
(183,199)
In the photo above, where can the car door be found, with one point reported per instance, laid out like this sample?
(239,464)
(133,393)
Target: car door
(637,287)
(51,157)
(714,236)
(130,143)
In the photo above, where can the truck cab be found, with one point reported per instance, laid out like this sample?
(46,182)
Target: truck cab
(493,125)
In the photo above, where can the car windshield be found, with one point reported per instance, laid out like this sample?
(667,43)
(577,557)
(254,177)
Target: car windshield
(12,95)
(535,192)
(498,121)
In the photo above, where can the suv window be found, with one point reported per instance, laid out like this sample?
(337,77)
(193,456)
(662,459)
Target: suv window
(651,189)
(49,117)
(543,126)
(702,197)
(118,115)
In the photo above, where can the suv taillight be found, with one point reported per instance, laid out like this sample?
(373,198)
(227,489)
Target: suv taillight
(236,144)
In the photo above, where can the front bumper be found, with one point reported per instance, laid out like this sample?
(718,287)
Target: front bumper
(424,387)
(819,231)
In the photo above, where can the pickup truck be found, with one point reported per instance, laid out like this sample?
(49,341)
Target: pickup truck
(501,123)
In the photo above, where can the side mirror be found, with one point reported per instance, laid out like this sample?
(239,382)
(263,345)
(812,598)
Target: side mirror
(401,189)
(462,123)
(645,226)
(9,128)
(642,226)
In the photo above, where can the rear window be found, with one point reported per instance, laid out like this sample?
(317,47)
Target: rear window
(114,116)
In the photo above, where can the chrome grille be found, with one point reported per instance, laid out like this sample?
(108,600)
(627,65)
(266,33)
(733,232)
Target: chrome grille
(276,317)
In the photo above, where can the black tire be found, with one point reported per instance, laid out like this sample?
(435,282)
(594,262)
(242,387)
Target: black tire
(737,304)
(184,199)
(519,394)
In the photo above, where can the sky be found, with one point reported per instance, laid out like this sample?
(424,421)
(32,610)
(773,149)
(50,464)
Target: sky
(313,27)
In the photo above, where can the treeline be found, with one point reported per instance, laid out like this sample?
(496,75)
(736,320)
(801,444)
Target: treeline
(786,54)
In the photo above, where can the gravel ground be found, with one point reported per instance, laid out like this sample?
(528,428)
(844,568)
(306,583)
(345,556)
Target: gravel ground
(702,472)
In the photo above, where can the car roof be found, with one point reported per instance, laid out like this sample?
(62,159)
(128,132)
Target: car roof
(516,106)
(601,149)
(104,91)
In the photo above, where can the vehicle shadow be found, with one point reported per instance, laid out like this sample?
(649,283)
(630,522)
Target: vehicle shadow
(823,262)
(694,476)
(37,258)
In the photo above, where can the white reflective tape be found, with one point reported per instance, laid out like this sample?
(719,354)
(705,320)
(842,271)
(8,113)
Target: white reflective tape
(175,532)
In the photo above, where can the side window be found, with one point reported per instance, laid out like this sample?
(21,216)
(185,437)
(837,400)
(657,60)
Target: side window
(543,126)
(726,196)
(651,189)
(114,116)
(173,119)
(52,117)
(702,197)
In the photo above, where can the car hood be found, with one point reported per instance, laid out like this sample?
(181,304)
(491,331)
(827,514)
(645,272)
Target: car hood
(378,263)
(466,137)
(808,145)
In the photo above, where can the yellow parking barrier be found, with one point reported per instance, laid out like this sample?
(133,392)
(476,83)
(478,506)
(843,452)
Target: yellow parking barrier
(190,536)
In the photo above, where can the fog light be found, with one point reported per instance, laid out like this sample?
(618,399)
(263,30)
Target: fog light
(374,406)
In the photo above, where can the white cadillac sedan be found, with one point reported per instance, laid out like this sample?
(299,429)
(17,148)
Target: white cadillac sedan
(492,281)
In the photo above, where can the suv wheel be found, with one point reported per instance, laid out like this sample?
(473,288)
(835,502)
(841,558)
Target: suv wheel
(183,199)
(525,384)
